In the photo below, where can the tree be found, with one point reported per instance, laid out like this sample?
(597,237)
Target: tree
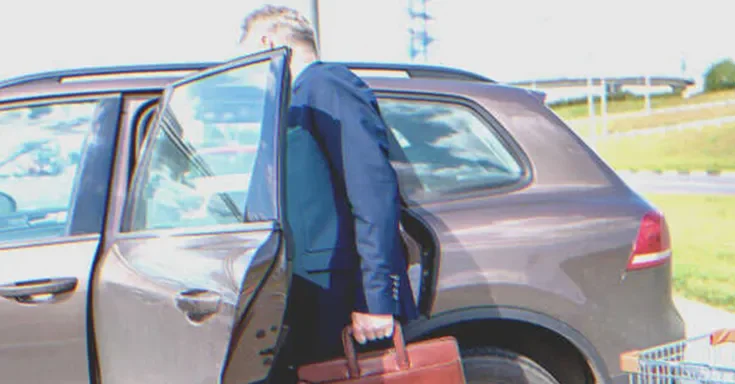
(720,76)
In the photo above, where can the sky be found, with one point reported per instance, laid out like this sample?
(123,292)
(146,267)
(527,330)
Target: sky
(504,40)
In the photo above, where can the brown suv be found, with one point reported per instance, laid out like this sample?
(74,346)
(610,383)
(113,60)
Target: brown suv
(156,251)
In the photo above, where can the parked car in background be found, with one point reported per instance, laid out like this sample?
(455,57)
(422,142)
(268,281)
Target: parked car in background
(161,254)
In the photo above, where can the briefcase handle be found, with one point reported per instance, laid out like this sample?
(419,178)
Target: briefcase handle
(348,342)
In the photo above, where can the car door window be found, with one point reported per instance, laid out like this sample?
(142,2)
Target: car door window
(203,156)
(40,154)
(442,148)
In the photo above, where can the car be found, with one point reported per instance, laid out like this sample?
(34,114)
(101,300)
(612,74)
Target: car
(155,257)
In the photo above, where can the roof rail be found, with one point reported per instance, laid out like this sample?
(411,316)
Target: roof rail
(412,70)
(420,71)
(59,75)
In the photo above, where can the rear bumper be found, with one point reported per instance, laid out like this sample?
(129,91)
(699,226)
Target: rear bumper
(620,379)
(671,328)
(640,315)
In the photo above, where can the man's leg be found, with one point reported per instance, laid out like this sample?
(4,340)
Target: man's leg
(317,317)
(299,322)
(333,313)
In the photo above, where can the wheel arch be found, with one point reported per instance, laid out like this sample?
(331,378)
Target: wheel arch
(454,320)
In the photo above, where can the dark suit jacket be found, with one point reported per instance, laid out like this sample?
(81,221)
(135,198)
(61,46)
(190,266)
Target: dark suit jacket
(343,204)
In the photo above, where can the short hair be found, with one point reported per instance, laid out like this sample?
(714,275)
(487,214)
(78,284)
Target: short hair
(278,18)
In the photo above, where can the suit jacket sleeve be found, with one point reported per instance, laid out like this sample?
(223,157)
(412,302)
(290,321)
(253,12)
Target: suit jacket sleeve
(347,118)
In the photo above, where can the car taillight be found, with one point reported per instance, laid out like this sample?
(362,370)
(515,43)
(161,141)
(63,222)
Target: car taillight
(652,247)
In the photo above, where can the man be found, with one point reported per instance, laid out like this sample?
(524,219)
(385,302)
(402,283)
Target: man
(343,203)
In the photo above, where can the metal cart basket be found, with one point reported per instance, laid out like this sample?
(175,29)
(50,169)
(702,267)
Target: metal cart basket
(706,359)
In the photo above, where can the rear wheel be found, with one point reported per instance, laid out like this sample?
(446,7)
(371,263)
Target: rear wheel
(500,366)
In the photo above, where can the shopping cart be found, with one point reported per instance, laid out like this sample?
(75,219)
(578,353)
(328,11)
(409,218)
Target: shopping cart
(706,359)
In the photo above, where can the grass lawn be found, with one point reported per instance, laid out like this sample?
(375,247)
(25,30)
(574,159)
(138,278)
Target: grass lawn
(703,240)
(577,111)
(708,149)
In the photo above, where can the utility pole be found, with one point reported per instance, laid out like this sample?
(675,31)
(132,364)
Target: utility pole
(647,100)
(591,110)
(420,38)
(591,70)
(315,22)
(683,64)
(603,105)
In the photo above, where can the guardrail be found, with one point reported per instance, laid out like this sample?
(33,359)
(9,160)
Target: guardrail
(681,108)
(582,127)
(698,124)
(656,111)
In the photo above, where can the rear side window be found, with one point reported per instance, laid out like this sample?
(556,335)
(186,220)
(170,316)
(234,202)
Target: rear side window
(40,156)
(441,148)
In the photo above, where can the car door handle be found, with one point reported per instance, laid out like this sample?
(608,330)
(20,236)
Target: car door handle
(199,304)
(23,290)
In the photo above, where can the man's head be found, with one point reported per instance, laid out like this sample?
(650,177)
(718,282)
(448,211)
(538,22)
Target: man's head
(274,26)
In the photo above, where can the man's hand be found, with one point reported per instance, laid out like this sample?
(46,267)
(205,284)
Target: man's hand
(367,327)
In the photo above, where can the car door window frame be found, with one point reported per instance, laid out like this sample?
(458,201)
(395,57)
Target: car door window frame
(497,130)
(111,113)
(145,156)
(145,119)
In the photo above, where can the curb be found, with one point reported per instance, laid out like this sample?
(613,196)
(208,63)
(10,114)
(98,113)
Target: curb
(658,172)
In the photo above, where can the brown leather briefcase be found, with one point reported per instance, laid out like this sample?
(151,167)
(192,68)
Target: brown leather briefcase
(425,362)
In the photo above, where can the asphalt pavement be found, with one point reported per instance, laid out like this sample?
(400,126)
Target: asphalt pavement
(678,183)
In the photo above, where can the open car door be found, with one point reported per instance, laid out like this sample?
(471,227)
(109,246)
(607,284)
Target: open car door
(193,278)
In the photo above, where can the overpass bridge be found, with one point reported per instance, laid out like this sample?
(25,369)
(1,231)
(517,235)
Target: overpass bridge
(613,84)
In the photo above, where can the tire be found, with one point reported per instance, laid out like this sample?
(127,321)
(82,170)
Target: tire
(500,366)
